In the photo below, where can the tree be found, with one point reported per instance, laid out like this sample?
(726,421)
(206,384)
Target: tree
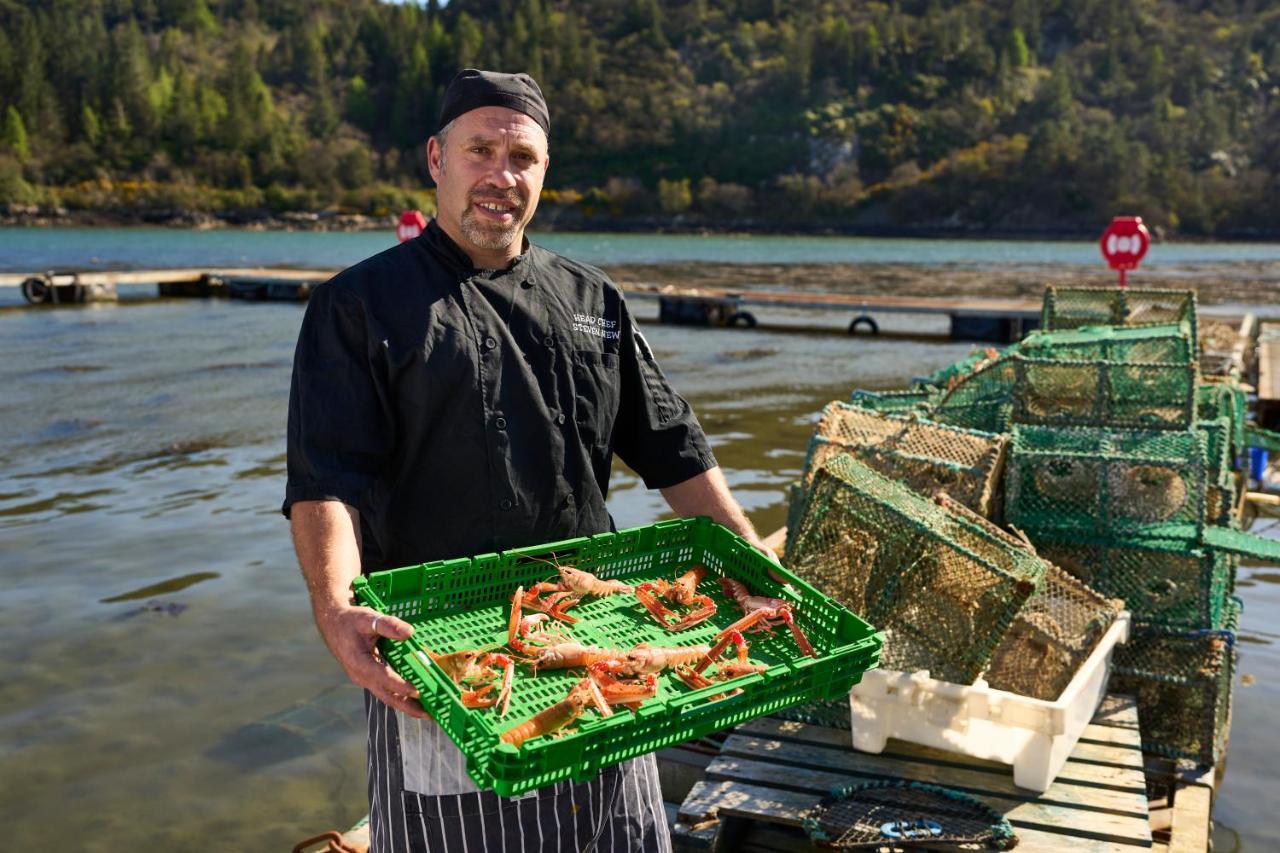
(675,197)
(13,136)
(1019,56)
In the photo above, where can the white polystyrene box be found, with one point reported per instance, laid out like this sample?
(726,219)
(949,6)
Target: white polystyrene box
(1034,735)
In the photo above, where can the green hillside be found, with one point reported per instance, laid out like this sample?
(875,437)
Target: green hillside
(1004,116)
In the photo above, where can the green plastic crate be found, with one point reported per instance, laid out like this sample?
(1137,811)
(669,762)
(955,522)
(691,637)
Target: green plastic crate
(464,603)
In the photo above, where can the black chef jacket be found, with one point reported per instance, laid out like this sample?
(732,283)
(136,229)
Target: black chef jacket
(462,411)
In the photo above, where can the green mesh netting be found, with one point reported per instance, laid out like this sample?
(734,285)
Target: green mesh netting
(942,587)
(892,402)
(981,400)
(1074,307)
(1098,393)
(899,814)
(1225,399)
(1104,482)
(925,456)
(1175,583)
(951,374)
(1182,681)
(1055,631)
(1147,344)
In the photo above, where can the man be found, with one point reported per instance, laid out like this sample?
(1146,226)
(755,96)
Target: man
(461,393)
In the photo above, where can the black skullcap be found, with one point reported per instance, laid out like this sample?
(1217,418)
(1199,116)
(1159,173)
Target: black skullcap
(471,89)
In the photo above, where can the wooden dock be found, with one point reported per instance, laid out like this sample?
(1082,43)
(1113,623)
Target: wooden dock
(770,771)
(995,320)
(977,319)
(1269,376)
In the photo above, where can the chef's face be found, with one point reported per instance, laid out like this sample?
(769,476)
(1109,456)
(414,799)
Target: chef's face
(488,166)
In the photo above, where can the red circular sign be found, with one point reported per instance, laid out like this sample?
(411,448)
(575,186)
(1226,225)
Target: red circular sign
(411,224)
(1125,242)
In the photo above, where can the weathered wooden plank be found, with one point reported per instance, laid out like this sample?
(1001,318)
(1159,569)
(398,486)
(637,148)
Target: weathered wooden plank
(685,837)
(1269,371)
(1117,711)
(1192,807)
(1066,818)
(786,808)
(1115,786)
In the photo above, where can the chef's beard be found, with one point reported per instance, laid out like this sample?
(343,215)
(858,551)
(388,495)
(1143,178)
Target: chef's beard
(492,235)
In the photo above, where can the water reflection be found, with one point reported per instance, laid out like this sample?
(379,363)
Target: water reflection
(172,585)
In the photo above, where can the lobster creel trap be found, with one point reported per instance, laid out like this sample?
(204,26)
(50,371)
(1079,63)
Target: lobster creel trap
(928,457)
(1182,681)
(1104,482)
(1119,344)
(897,815)
(1102,393)
(941,584)
(981,400)
(893,402)
(1054,632)
(1074,307)
(1175,583)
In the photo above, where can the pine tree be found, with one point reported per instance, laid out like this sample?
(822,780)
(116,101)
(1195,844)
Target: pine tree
(13,136)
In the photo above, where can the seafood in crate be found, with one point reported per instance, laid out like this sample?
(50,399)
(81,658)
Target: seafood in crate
(617,646)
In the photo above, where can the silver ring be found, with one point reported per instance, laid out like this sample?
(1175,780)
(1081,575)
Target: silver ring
(375,622)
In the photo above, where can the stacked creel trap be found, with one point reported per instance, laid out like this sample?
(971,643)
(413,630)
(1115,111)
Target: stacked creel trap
(1123,469)
(943,587)
(957,598)
(927,457)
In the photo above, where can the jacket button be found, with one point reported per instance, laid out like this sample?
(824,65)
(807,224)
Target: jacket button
(549,341)
(560,418)
(506,503)
(569,500)
(490,343)
(500,423)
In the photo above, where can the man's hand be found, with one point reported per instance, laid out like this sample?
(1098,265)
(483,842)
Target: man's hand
(326,535)
(352,633)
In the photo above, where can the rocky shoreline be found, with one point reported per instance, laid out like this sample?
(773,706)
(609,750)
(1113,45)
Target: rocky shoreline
(1240,282)
(552,218)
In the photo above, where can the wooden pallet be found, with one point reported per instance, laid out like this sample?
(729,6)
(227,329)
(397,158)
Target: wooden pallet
(770,771)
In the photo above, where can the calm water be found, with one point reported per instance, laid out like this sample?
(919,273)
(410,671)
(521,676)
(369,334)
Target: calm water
(24,249)
(163,684)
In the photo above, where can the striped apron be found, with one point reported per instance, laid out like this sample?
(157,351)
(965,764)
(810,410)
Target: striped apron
(421,799)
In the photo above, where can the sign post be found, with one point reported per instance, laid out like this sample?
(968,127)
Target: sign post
(1124,244)
(411,224)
